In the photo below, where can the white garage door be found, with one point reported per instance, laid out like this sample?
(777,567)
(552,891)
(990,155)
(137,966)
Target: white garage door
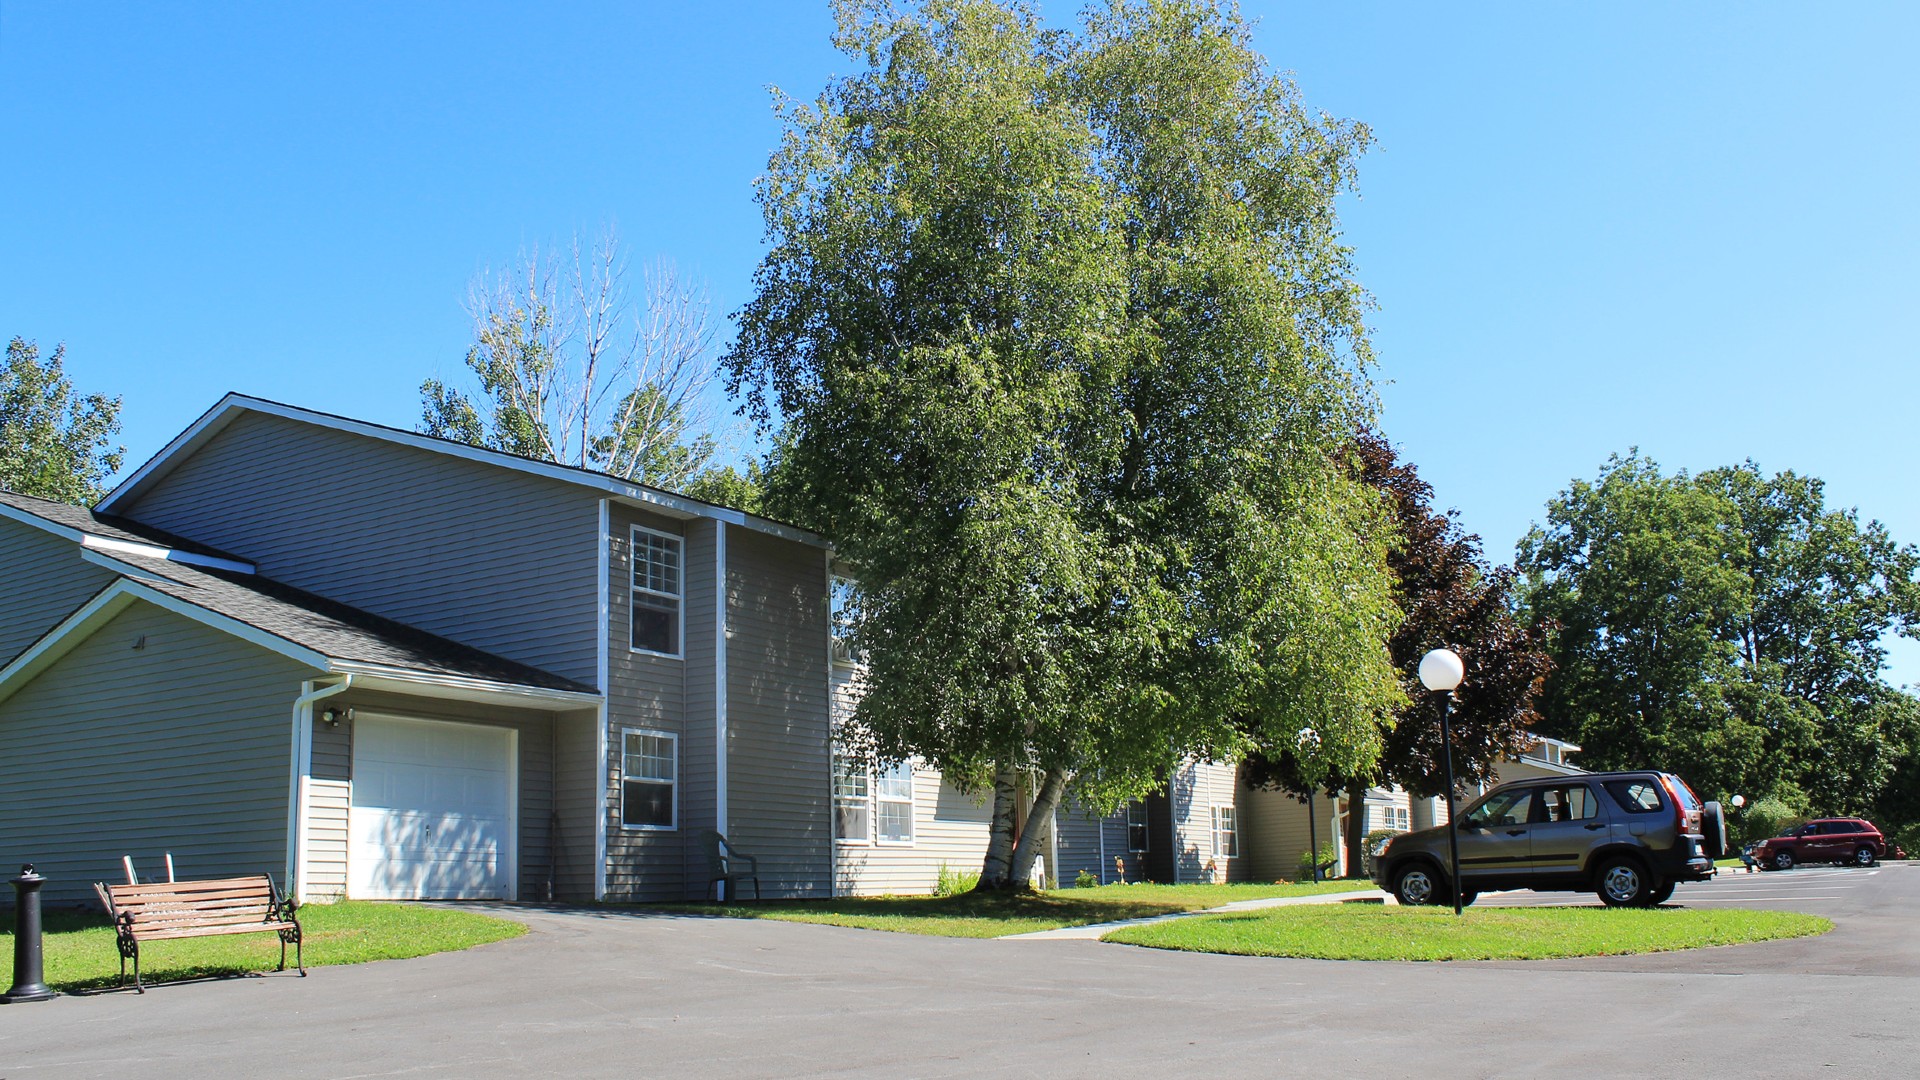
(432,814)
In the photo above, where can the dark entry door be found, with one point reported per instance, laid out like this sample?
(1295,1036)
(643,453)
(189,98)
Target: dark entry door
(1159,857)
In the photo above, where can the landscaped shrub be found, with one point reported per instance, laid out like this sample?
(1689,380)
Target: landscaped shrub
(1086,879)
(1763,818)
(1307,862)
(1907,837)
(950,882)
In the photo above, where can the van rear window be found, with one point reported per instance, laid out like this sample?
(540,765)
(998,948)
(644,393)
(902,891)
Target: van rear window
(1635,796)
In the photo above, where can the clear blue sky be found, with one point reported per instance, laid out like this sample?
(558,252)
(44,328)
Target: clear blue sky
(1687,228)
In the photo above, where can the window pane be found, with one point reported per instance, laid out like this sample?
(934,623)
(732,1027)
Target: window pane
(850,820)
(645,802)
(849,779)
(1634,796)
(895,782)
(895,821)
(1136,826)
(656,624)
(648,757)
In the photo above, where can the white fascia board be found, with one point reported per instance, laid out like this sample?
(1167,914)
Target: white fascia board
(660,502)
(459,687)
(183,445)
(1552,767)
(122,547)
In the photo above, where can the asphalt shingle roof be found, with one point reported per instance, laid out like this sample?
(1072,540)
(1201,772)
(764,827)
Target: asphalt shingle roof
(334,629)
(107,526)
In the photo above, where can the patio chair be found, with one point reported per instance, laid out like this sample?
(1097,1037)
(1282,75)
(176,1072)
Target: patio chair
(726,864)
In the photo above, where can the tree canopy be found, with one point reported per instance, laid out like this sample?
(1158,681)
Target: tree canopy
(572,367)
(54,443)
(1068,352)
(1452,599)
(1728,626)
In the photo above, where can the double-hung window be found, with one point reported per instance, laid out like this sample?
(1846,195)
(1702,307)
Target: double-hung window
(1226,836)
(1136,826)
(656,595)
(852,800)
(649,765)
(893,804)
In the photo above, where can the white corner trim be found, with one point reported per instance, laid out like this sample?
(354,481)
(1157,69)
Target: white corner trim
(603,546)
(720,678)
(302,769)
(233,405)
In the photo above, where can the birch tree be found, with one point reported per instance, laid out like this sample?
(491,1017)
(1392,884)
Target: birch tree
(1068,352)
(573,367)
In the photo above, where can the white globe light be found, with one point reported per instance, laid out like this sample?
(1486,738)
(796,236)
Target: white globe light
(1739,801)
(1441,669)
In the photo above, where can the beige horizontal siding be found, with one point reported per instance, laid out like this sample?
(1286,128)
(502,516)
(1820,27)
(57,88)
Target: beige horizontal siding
(45,580)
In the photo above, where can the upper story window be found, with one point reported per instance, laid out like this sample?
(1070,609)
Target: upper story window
(841,600)
(657,592)
(1136,826)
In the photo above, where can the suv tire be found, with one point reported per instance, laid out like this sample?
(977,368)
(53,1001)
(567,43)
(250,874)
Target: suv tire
(1417,885)
(1783,859)
(1863,856)
(1622,882)
(1660,895)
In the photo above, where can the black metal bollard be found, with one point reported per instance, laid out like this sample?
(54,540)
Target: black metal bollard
(28,971)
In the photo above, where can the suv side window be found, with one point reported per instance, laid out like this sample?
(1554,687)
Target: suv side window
(1569,802)
(1503,808)
(1635,796)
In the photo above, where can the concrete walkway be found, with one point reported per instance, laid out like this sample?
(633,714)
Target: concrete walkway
(1096,931)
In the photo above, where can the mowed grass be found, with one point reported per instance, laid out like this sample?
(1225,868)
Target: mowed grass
(79,950)
(985,915)
(1357,932)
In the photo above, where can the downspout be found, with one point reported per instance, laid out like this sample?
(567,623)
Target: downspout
(720,688)
(603,545)
(302,767)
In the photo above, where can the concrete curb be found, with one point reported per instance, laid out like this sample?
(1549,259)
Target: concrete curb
(1096,931)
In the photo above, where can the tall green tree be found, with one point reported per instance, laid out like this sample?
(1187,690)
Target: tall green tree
(1067,351)
(572,367)
(1451,598)
(1727,625)
(54,443)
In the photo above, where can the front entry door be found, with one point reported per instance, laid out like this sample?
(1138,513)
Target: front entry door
(1160,853)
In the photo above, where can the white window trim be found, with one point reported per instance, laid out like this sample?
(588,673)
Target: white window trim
(912,801)
(680,599)
(1214,821)
(674,740)
(872,824)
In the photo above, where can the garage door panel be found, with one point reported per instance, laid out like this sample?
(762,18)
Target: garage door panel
(431,815)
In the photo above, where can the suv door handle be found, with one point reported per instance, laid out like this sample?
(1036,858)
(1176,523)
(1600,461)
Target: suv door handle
(1516,832)
(1594,826)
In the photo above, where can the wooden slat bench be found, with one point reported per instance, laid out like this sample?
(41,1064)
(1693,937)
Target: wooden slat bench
(184,909)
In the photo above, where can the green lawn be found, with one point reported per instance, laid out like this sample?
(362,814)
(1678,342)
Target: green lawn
(80,953)
(1357,932)
(992,915)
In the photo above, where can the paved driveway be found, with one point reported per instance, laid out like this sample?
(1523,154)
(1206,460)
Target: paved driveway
(600,994)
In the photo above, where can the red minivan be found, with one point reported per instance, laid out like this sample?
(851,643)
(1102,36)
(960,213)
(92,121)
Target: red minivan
(1823,840)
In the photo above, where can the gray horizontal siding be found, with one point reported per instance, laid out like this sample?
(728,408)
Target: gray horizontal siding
(42,580)
(180,746)
(778,756)
(649,691)
(481,554)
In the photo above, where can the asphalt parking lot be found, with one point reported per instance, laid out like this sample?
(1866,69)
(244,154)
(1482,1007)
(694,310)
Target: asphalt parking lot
(596,993)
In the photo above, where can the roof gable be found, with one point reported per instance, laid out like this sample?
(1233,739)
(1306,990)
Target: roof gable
(605,485)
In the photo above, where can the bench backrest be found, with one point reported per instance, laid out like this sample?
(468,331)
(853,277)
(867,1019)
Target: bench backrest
(191,904)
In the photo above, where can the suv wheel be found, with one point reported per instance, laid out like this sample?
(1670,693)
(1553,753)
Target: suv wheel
(1783,859)
(1416,885)
(1660,895)
(1863,856)
(1622,883)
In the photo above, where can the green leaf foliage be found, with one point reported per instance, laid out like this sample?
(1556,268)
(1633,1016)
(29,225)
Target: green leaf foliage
(1068,350)
(54,443)
(1726,626)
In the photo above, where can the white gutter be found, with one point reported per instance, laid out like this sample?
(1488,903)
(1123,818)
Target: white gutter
(296,879)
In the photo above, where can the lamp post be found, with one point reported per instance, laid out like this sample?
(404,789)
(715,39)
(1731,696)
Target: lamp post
(1309,743)
(1441,671)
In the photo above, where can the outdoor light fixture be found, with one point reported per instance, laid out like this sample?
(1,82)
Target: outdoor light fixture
(332,717)
(1441,671)
(1739,801)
